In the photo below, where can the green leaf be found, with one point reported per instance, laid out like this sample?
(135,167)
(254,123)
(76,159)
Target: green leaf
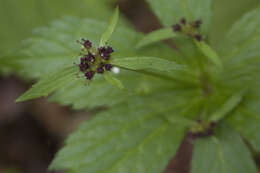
(209,52)
(142,63)
(52,47)
(147,142)
(241,51)
(50,83)
(223,153)
(246,119)
(225,13)
(156,36)
(171,11)
(114,81)
(110,28)
(243,39)
(228,106)
(34,13)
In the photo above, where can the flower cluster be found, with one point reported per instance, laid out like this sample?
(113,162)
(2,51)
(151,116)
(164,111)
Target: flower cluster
(189,28)
(94,60)
(205,131)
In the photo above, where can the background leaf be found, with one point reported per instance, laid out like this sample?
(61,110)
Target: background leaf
(156,36)
(223,153)
(171,11)
(29,14)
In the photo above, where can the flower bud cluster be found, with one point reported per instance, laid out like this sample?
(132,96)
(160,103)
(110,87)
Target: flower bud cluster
(189,28)
(94,60)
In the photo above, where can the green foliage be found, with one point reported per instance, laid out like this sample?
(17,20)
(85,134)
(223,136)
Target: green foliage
(111,27)
(225,153)
(138,140)
(171,11)
(159,94)
(156,36)
(19,17)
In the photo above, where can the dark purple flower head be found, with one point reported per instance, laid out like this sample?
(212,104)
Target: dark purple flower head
(108,67)
(183,21)
(198,37)
(83,66)
(109,50)
(100,70)
(87,44)
(89,75)
(197,23)
(89,57)
(176,27)
(105,52)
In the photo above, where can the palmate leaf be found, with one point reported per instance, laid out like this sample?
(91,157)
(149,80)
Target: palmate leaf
(225,152)
(171,11)
(126,138)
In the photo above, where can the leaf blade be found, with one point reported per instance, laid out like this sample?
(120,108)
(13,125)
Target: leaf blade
(156,36)
(223,153)
(110,28)
(139,131)
(141,63)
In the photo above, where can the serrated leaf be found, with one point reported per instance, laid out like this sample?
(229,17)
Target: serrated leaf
(223,153)
(114,81)
(209,53)
(50,83)
(145,139)
(110,28)
(156,36)
(171,11)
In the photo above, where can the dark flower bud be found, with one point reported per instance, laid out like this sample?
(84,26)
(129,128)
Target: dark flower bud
(109,50)
(89,57)
(176,27)
(89,75)
(108,67)
(104,53)
(87,44)
(102,64)
(212,124)
(183,21)
(198,37)
(83,67)
(100,70)
(197,23)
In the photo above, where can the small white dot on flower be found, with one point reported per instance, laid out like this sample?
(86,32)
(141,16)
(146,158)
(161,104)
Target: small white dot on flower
(116,70)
